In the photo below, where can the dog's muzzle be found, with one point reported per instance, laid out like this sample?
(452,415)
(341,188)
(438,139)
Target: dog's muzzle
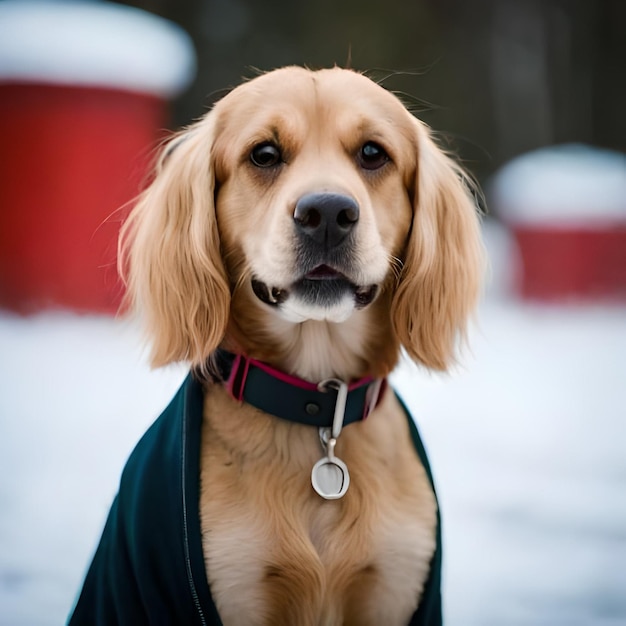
(325,225)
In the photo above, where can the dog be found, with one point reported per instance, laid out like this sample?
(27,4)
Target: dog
(291,243)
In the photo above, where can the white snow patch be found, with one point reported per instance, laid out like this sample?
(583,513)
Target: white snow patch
(77,394)
(566,185)
(95,44)
(527,446)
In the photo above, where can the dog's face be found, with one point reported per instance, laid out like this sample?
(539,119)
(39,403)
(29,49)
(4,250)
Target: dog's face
(306,198)
(312,200)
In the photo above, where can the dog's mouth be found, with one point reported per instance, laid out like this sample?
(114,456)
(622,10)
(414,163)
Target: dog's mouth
(324,272)
(323,287)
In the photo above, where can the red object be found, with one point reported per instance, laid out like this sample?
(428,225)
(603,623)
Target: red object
(572,263)
(71,159)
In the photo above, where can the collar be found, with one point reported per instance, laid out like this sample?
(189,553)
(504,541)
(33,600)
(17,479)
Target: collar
(295,399)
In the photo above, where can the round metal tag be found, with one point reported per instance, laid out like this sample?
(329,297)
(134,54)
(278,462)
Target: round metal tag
(330,478)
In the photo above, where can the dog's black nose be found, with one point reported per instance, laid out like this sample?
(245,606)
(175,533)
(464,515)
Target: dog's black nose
(327,218)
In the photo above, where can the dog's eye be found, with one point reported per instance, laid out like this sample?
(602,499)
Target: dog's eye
(265,155)
(372,156)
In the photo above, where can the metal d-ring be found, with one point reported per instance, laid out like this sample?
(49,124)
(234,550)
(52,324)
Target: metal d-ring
(330,477)
(340,404)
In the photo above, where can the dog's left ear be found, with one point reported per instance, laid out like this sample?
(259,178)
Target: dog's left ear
(443,262)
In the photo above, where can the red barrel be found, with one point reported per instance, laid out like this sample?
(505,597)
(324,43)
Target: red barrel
(77,137)
(566,209)
(575,263)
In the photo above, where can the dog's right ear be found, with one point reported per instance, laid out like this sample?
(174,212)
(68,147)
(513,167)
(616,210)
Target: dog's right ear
(169,252)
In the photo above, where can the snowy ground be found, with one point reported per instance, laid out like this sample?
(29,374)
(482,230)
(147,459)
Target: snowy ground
(527,440)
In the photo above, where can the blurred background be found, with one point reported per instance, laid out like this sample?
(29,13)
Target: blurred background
(527,438)
(497,77)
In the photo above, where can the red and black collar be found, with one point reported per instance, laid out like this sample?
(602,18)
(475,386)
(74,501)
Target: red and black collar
(294,399)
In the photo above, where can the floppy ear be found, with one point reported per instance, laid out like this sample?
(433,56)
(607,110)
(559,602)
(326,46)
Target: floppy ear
(170,249)
(443,264)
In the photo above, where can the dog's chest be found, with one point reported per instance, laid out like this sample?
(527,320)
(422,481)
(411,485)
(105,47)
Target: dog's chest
(277,553)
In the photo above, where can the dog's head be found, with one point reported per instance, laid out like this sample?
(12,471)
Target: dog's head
(305,198)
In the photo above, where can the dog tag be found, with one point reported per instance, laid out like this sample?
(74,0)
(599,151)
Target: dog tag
(330,477)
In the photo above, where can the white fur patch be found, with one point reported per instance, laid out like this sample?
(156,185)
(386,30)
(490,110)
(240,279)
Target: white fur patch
(315,350)
(295,310)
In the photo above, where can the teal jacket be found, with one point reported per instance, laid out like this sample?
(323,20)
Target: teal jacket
(149,566)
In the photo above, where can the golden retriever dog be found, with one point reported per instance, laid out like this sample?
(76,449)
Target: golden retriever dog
(307,228)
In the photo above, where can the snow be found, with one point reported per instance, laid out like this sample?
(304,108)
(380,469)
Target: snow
(527,441)
(94,44)
(566,185)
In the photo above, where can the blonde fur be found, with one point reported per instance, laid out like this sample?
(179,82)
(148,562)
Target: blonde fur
(443,265)
(207,225)
(279,555)
(170,245)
